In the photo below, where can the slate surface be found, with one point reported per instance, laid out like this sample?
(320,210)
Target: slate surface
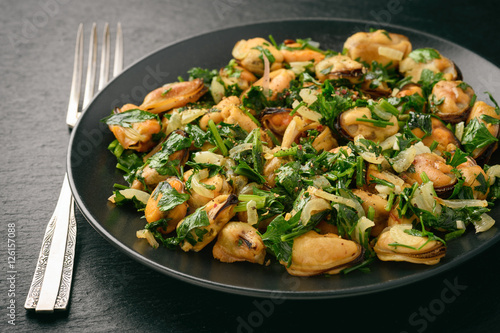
(113,293)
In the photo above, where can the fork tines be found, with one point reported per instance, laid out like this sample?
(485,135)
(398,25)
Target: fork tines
(74,101)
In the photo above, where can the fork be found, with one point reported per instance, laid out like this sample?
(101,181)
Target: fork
(51,284)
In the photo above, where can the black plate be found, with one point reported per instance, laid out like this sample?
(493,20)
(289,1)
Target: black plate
(92,173)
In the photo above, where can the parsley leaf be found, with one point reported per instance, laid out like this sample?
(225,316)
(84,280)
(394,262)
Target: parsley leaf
(170,198)
(476,135)
(424,55)
(127,118)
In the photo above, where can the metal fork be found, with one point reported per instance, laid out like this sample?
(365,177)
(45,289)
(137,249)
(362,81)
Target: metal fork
(51,284)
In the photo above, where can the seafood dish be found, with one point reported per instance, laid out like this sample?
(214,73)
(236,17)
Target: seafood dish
(321,160)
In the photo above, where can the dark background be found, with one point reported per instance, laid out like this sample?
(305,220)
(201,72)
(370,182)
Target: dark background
(113,293)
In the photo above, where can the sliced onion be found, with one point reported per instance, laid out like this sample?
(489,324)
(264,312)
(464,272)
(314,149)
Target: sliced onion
(383,189)
(145,233)
(208,157)
(191,114)
(459,130)
(390,143)
(309,96)
(229,163)
(424,198)
(299,67)
(366,155)
(309,114)
(390,53)
(253,217)
(248,188)
(239,148)
(381,113)
(313,206)
(363,224)
(492,173)
(174,123)
(198,187)
(460,224)
(338,199)
(459,203)
(397,181)
(486,223)
(129,193)
(217,90)
(321,182)
(266,80)
(133,134)
(404,159)
(420,148)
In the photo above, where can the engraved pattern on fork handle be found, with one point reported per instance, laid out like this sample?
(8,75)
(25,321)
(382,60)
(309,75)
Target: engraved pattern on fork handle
(58,297)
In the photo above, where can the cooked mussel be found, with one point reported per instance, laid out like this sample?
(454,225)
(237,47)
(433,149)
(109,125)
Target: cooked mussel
(150,175)
(295,52)
(173,95)
(409,90)
(219,211)
(480,108)
(157,209)
(358,121)
(276,83)
(249,54)
(394,244)
(380,46)
(378,204)
(276,119)
(237,75)
(450,100)
(339,67)
(314,254)
(139,135)
(475,178)
(436,169)
(200,194)
(414,64)
(239,241)
(440,134)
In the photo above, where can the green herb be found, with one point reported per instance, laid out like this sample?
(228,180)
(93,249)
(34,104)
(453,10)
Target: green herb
(127,118)
(218,140)
(424,55)
(476,136)
(245,170)
(192,229)
(428,79)
(421,121)
(381,181)
(170,198)
(457,158)
(200,73)
(280,234)
(490,119)
(265,53)
(121,200)
(376,122)
(497,108)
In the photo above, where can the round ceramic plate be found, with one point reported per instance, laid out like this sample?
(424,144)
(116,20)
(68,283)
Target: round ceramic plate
(92,172)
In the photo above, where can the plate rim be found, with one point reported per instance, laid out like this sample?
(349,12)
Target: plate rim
(259,292)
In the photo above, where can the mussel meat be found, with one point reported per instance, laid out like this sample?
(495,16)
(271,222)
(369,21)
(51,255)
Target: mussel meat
(358,121)
(239,241)
(380,46)
(314,254)
(450,100)
(395,244)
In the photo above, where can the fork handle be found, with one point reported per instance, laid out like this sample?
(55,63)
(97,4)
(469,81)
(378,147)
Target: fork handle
(51,283)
